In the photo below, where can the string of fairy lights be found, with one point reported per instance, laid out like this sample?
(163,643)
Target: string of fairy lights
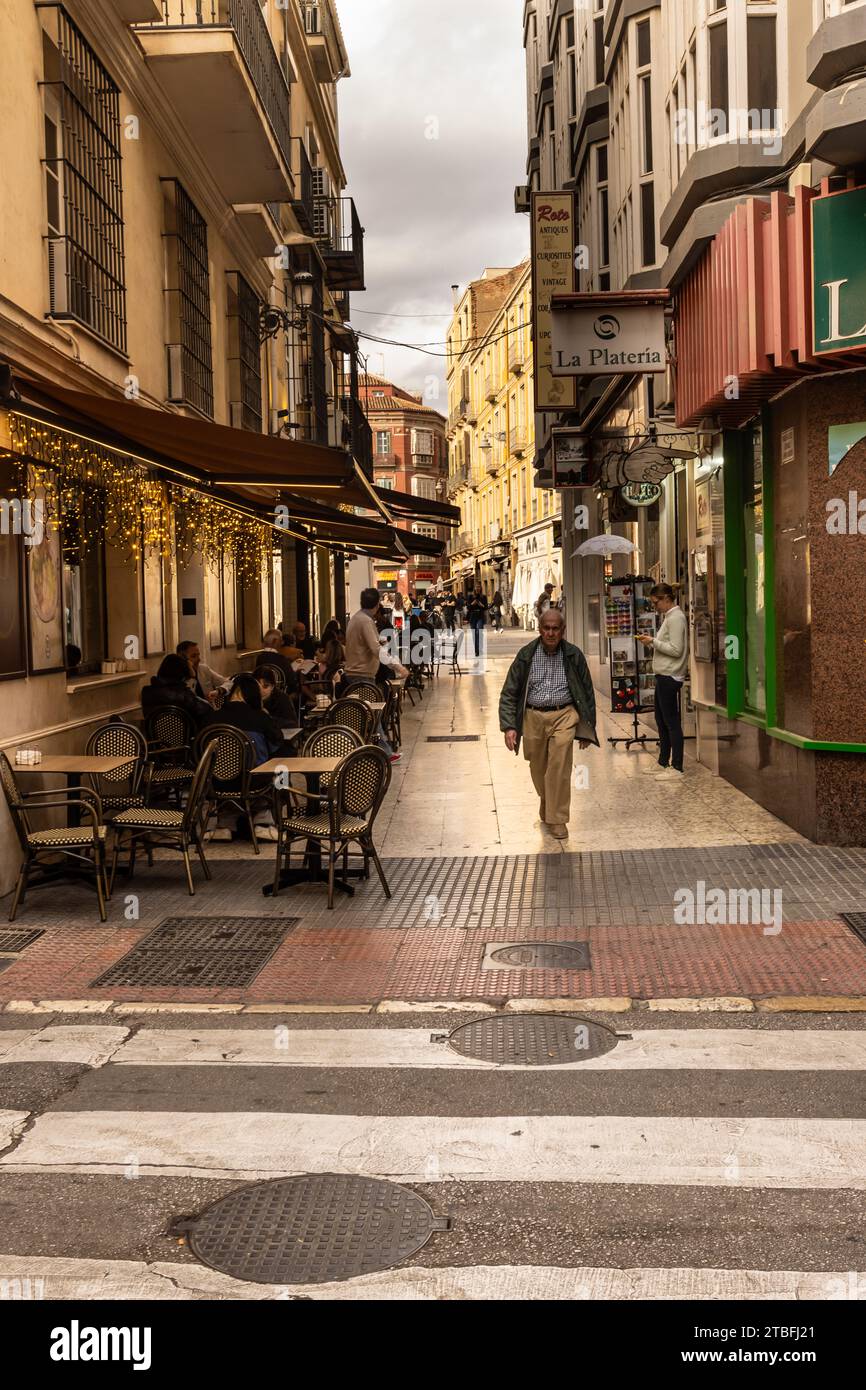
(96,495)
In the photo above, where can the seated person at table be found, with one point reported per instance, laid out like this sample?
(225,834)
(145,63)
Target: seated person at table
(308,645)
(333,632)
(204,680)
(279,706)
(243,710)
(326,671)
(169,687)
(275,654)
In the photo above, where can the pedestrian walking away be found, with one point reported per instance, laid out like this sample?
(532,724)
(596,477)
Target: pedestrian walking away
(477,618)
(496,612)
(670,649)
(543,602)
(548,703)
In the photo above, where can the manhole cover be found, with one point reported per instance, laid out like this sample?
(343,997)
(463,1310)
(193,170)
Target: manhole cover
(312,1229)
(857,922)
(453,738)
(17,940)
(532,1040)
(201,951)
(537,955)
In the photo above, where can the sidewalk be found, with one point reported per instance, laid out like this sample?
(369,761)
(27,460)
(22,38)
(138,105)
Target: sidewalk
(471,869)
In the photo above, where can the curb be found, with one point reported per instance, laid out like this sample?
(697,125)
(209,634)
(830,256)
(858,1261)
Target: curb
(776,1004)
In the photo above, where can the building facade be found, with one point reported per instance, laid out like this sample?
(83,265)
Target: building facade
(175,268)
(410,456)
(510,536)
(701,139)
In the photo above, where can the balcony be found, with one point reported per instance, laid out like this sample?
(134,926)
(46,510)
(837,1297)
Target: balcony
(458,415)
(262,224)
(491,391)
(303,202)
(387,461)
(216,63)
(457,479)
(517,441)
(358,434)
(516,359)
(340,236)
(138,11)
(322,41)
(459,544)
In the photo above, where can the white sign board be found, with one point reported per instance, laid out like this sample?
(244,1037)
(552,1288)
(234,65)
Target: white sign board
(593,341)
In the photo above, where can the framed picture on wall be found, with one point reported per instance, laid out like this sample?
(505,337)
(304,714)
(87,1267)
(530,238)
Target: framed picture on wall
(44,563)
(153,600)
(703,511)
(13,660)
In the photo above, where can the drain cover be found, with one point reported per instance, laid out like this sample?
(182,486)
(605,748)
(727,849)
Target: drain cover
(17,940)
(201,951)
(537,955)
(857,922)
(453,738)
(311,1229)
(532,1040)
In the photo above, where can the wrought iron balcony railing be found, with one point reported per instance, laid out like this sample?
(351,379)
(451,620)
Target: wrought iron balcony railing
(340,236)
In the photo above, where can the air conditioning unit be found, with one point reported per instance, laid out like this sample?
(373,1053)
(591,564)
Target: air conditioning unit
(312,19)
(58,276)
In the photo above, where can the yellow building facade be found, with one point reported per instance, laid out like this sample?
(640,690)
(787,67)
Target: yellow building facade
(509,533)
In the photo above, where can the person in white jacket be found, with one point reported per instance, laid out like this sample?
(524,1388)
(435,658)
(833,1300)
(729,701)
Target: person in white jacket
(670,665)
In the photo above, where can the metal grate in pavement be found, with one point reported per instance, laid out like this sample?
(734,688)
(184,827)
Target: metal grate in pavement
(857,922)
(311,1229)
(537,955)
(453,738)
(532,1040)
(14,941)
(200,952)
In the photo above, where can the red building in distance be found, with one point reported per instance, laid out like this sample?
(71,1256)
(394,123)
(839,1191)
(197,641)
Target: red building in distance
(410,454)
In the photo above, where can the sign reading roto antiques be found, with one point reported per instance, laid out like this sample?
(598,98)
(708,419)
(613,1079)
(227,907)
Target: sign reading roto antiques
(553,272)
(839,268)
(609,334)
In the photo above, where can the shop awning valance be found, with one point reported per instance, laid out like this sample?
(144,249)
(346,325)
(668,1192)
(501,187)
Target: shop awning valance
(404,504)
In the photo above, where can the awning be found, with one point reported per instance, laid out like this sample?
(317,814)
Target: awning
(404,504)
(193,450)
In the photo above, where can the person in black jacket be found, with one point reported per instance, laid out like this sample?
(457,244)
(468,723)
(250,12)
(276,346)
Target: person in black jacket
(243,710)
(477,618)
(274,702)
(169,687)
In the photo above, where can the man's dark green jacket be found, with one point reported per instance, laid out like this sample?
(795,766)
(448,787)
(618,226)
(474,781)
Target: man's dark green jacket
(512,701)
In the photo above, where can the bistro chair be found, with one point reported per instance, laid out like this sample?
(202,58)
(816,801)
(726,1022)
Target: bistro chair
(170,735)
(232,783)
(51,851)
(354,714)
(391,719)
(368,691)
(351,803)
(163,828)
(278,676)
(128,786)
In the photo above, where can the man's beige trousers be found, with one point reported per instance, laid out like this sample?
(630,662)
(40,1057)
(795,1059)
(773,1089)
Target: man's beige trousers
(548,746)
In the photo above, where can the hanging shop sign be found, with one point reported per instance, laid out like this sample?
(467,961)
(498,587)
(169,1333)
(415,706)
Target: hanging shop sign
(553,223)
(839,271)
(571,458)
(608,334)
(640,494)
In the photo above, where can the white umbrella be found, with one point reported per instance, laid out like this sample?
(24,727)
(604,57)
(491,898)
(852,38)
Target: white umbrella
(605,545)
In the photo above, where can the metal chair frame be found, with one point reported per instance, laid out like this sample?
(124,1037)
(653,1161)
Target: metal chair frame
(355,714)
(115,740)
(162,754)
(234,761)
(187,831)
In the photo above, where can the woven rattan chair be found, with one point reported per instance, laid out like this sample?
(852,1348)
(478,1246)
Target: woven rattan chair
(170,735)
(354,714)
(351,804)
(75,846)
(128,786)
(158,827)
(233,767)
(392,718)
(368,691)
(278,676)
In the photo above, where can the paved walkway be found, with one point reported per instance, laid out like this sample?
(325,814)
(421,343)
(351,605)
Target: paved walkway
(471,870)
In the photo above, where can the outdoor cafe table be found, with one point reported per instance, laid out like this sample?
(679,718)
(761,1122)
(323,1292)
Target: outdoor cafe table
(312,871)
(73,767)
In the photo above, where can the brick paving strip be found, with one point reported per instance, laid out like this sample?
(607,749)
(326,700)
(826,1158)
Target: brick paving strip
(428,942)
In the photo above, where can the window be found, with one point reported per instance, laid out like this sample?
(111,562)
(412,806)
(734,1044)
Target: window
(422,443)
(244,354)
(83,594)
(423,487)
(647,224)
(753,518)
(82,172)
(603,204)
(385,482)
(643,43)
(762,79)
(190,354)
(383,442)
(646,121)
(718,41)
(598,39)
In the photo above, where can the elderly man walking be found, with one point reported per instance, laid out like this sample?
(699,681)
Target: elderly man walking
(548,700)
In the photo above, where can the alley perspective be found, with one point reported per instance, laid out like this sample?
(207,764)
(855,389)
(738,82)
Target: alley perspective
(430,637)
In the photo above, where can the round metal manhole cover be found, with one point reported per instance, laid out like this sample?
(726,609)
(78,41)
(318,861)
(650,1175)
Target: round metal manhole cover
(543,955)
(312,1229)
(532,1040)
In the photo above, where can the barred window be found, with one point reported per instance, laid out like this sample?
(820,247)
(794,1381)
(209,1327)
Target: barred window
(245,354)
(83,189)
(190,353)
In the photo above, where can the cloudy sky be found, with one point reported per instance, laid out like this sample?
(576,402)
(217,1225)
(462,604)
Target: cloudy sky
(433,134)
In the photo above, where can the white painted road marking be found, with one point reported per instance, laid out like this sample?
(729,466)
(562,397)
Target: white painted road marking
(11,1123)
(778,1153)
(91,1046)
(70,1279)
(705,1049)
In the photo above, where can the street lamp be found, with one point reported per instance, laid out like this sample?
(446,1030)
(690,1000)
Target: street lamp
(273,320)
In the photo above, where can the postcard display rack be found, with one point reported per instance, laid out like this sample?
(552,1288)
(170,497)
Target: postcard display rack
(629,614)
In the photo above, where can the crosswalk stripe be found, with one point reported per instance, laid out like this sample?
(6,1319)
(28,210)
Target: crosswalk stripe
(40,1277)
(11,1123)
(776,1153)
(90,1045)
(712,1049)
